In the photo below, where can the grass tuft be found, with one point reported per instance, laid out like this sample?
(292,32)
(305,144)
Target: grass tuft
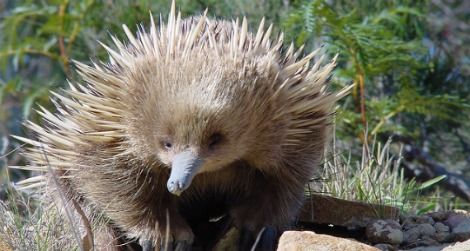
(376,177)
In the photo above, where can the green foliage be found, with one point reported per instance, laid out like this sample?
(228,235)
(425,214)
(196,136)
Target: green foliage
(380,43)
(382,51)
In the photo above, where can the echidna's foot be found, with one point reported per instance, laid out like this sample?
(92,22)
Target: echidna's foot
(166,246)
(183,239)
(175,246)
(180,239)
(147,245)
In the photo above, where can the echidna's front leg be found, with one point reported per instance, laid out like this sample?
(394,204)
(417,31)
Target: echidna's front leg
(148,245)
(264,239)
(268,209)
(181,239)
(172,233)
(175,232)
(140,205)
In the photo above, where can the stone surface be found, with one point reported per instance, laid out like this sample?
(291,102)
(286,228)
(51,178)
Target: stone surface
(328,210)
(424,219)
(459,246)
(455,219)
(4,246)
(435,248)
(427,241)
(439,216)
(426,229)
(411,236)
(441,227)
(385,247)
(459,223)
(308,241)
(409,222)
(435,228)
(442,232)
(442,237)
(461,230)
(384,231)
(429,232)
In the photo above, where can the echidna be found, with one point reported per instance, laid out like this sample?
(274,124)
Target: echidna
(195,118)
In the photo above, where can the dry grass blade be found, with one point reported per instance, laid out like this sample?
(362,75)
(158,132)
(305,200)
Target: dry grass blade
(61,192)
(89,242)
(258,237)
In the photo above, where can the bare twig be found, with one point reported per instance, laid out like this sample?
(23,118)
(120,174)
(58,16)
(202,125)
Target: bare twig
(86,223)
(63,53)
(29,51)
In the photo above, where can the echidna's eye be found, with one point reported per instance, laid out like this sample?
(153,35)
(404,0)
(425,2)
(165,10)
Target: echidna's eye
(215,139)
(167,145)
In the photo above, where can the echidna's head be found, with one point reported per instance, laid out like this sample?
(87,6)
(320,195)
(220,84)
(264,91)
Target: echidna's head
(202,114)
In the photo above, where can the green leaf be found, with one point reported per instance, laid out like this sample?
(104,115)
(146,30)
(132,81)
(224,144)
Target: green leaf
(429,207)
(431,182)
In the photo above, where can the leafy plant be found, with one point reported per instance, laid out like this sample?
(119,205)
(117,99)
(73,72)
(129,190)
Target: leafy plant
(381,50)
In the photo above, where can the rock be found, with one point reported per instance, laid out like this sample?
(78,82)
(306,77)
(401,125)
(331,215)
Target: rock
(384,231)
(459,225)
(442,232)
(307,241)
(461,211)
(454,219)
(434,228)
(461,231)
(4,246)
(459,246)
(413,220)
(441,227)
(408,222)
(427,242)
(435,248)
(442,237)
(385,247)
(439,216)
(409,226)
(424,219)
(411,236)
(426,229)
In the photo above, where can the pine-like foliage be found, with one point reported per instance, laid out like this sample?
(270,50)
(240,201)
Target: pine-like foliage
(384,50)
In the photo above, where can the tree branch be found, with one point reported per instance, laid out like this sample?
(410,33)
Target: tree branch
(429,169)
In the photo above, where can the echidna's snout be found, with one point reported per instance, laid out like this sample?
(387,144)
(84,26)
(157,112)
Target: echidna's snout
(184,167)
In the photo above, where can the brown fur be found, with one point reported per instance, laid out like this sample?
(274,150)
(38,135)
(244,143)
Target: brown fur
(184,82)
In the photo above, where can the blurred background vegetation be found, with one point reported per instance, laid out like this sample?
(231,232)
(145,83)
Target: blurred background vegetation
(409,61)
